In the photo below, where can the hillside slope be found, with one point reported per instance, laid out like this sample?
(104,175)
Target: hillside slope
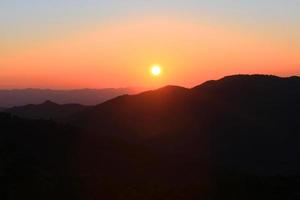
(236,138)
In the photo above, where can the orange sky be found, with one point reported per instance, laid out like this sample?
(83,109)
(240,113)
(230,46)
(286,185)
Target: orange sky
(119,54)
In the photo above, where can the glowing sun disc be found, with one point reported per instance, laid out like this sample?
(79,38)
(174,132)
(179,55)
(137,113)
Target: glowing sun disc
(155,70)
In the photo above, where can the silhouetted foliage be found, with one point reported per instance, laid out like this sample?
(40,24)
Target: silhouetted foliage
(35,159)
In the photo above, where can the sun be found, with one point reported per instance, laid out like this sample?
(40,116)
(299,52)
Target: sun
(155,70)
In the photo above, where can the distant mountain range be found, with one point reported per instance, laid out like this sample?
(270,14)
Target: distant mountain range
(20,97)
(46,110)
(236,138)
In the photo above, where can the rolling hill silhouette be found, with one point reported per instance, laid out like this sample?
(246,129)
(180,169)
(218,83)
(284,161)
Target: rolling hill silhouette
(46,110)
(21,97)
(234,138)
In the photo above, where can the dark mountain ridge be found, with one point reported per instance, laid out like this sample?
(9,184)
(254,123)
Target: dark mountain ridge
(246,124)
(46,110)
(21,97)
(235,138)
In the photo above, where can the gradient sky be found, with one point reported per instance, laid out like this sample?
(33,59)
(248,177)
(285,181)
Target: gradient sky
(95,43)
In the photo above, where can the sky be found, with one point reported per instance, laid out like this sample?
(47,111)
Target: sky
(67,44)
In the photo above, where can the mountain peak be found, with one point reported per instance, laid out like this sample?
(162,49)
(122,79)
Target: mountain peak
(172,87)
(240,80)
(49,103)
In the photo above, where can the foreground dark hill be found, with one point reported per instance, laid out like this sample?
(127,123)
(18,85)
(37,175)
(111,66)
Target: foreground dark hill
(241,130)
(35,159)
(46,110)
(20,97)
(257,124)
(234,138)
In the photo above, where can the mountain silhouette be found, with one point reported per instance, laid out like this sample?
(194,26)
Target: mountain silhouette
(235,138)
(245,124)
(20,97)
(46,110)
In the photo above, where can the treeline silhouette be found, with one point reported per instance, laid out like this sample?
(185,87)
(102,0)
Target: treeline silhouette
(235,138)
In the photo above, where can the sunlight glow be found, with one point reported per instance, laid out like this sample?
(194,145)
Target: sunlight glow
(156,70)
